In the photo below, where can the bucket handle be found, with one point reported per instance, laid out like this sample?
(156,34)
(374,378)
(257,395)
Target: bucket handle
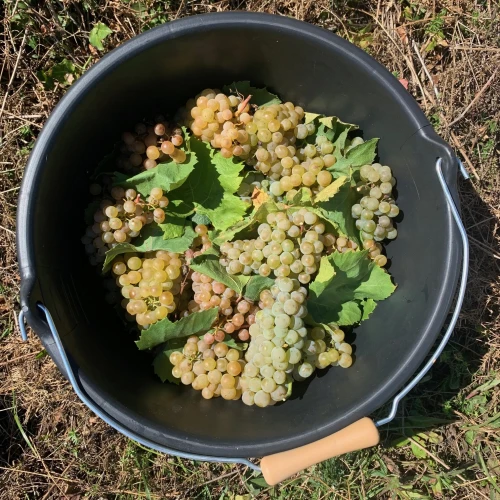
(364,433)
(359,435)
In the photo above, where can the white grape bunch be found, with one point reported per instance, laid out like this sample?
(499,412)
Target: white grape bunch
(212,369)
(282,348)
(220,120)
(287,246)
(150,285)
(266,140)
(149,145)
(120,220)
(376,210)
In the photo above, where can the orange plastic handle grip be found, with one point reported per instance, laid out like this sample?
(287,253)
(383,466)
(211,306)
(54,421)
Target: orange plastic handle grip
(359,435)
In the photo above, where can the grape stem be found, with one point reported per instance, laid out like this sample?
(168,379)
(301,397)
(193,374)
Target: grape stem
(242,105)
(183,284)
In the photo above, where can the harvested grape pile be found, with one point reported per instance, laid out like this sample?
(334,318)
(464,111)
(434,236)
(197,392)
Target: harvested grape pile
(242,238)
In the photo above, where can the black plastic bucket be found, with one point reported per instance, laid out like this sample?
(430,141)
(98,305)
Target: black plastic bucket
(158,71)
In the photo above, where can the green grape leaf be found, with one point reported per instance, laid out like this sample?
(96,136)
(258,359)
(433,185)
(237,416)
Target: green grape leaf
(208,263)
(323,130)
(165,330)
(334,129)
(228,170)
(179,208)
(167,176)
(163,367)
(349,313)
(355,158)
(151,239)
(232,344)
(326,272)
(310,117)
(255,285)
(200,219)
(182,243)
(260,97)
(339,143)
(231,210)
(338,211)
(368,306)
(343,282)
(302,198)
(97,34)
(229,234)
(173,227)
(245,228)
(209,189)
(331,190)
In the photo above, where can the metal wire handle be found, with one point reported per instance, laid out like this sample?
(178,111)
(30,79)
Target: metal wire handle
(460,296)
(87,400)
(80,391)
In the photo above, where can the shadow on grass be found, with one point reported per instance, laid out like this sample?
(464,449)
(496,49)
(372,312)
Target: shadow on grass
(443,396)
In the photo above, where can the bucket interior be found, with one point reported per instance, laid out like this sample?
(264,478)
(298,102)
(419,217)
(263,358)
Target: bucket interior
(158,72)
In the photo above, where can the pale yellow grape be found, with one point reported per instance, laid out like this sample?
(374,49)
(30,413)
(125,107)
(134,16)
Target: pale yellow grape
(345,360)
(227,381)
(214,376)
(187,378)
(324,178)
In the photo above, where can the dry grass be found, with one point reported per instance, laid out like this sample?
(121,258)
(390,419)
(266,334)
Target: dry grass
(51,446)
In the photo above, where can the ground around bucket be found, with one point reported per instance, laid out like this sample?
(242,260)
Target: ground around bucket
(444,442)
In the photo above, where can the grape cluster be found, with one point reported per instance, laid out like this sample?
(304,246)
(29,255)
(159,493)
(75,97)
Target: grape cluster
(376,210)
(212,369)
(149,285)
(291,168)
(267,139)
(120,219)
(375,252)
(148,145)
(288,163)
(236,314)
(287,246)
(220,120)
(282,348)
(200,244)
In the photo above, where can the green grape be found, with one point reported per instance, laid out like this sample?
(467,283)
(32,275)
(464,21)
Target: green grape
(305,370)
(385,187)
(392,234)
(276,189)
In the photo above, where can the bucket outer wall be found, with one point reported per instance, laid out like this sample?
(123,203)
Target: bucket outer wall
(158,71)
